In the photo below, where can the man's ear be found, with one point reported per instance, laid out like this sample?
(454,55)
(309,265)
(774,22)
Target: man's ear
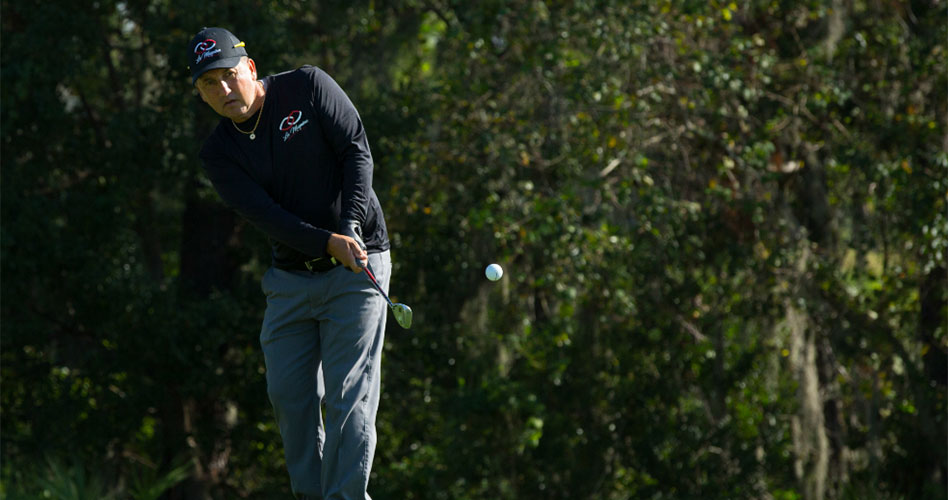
(252,66)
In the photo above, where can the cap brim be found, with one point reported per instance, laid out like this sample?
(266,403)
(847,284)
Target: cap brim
(227,62)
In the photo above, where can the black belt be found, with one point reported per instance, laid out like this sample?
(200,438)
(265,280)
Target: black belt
(319,265)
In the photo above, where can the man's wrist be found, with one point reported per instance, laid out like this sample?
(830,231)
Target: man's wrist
(353,230)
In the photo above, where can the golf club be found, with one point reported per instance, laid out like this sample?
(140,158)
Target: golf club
(401,312)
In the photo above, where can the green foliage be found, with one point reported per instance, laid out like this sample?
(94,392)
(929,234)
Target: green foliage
(685,196)
(150,485)
(71,482)
(81,479)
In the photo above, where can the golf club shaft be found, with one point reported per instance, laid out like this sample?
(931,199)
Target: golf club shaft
(375,283)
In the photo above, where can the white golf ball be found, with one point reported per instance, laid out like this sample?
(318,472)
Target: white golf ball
(494,272)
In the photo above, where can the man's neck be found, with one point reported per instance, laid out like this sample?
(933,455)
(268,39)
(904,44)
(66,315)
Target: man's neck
(257,103)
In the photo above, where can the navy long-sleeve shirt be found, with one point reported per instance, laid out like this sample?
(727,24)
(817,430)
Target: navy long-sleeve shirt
(308,168)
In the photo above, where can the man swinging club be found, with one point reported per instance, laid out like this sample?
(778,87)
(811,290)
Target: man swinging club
(290,155)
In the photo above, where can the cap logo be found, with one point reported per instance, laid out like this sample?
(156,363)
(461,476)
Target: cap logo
(292,124)
(205,49)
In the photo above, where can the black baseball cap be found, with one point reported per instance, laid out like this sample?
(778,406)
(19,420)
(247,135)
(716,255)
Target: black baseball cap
(213,48)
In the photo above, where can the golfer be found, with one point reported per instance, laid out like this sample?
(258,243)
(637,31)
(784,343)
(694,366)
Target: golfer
(290,155)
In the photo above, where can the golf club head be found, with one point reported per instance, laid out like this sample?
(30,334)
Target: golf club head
(401,312)
(402,315)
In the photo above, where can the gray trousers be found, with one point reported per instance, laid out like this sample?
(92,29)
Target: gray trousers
(322,340)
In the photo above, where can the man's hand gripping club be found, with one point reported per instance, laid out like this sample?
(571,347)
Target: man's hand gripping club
(347,247)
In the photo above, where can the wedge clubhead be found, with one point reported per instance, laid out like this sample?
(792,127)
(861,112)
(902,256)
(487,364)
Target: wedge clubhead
(401,312)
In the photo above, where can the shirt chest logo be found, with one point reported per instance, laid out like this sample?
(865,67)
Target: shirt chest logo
(292,124)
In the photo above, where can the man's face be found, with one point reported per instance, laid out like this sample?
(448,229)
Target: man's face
(230,92)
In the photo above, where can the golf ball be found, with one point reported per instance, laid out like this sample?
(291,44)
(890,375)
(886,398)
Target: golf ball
(494,272)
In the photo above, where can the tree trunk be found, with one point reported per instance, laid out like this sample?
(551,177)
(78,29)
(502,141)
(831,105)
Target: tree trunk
(810,442)
(208,263)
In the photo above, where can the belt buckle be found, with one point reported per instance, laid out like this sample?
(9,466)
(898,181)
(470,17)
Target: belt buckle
(311,265)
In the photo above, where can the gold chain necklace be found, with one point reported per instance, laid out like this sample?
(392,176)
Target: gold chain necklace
(251,133)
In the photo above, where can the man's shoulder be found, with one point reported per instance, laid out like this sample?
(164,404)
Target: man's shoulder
(308,70)
(303,75)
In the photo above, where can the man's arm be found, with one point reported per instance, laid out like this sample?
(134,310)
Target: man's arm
(343,128)
(241,193)
(253,203)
